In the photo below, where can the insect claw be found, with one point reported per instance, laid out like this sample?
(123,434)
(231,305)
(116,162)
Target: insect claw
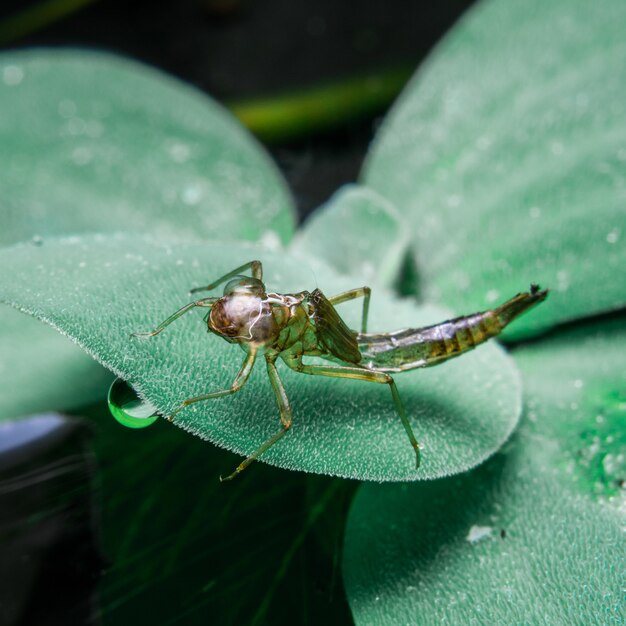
(417,456)
(141,335)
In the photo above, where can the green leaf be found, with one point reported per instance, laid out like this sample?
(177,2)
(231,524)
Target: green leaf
(357,232)
(99,143)
(575,385)
(535,535)
(507,153)
(99,289)
(435,552)
(40,369)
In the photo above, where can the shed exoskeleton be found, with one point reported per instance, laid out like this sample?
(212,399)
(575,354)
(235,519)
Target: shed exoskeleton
(297,325)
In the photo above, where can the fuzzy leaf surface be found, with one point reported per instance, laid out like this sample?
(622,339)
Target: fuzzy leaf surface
(99,289)
(533,536)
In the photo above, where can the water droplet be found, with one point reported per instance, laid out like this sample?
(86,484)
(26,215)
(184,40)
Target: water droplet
(179,152)
(492,295)
(557,148)
(477,533)
(37,240)
(12,75)
(454,200)
(613,236)
(192,195)
(128,408)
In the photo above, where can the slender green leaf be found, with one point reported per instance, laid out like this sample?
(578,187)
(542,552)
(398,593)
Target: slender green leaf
(99,289)
(93,142)
(357,232)
(507,153)
(536,535)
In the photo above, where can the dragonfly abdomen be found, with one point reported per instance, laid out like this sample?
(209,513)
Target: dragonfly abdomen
(423,347)
(461,334)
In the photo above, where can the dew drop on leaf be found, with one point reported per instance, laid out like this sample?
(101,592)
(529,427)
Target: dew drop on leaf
(128,408)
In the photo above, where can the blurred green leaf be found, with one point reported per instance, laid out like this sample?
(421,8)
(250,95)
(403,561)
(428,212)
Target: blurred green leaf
(40,369)
(507,152)
(575,390)
(100,289)
(103,144)
(357,232)
(534,536)
(97,143)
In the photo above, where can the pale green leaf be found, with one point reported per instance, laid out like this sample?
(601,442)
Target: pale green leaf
(358,233)
(575,386)
(100,289)
(435,552)
(536,536)
(95,142)
(507,153)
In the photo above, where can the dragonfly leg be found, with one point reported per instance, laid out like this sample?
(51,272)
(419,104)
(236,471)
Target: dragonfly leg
(360,292)
(205,302)
(285,418)
(357,373)
(255,266)
(238,383)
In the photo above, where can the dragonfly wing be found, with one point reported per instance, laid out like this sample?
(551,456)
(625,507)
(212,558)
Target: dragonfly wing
(332,331)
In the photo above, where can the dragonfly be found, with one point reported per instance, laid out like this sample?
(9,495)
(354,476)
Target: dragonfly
(291,326)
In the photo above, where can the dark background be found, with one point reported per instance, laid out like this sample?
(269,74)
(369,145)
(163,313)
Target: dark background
(264,540)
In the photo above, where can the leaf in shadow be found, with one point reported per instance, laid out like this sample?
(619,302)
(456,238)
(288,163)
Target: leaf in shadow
(183,548)
(357,232)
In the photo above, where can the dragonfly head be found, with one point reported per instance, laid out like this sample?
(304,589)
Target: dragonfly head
(243,314)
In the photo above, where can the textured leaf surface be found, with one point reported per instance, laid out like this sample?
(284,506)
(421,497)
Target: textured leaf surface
(525,538)
(98,290)
(93,142)
(507,153)
(357,232)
